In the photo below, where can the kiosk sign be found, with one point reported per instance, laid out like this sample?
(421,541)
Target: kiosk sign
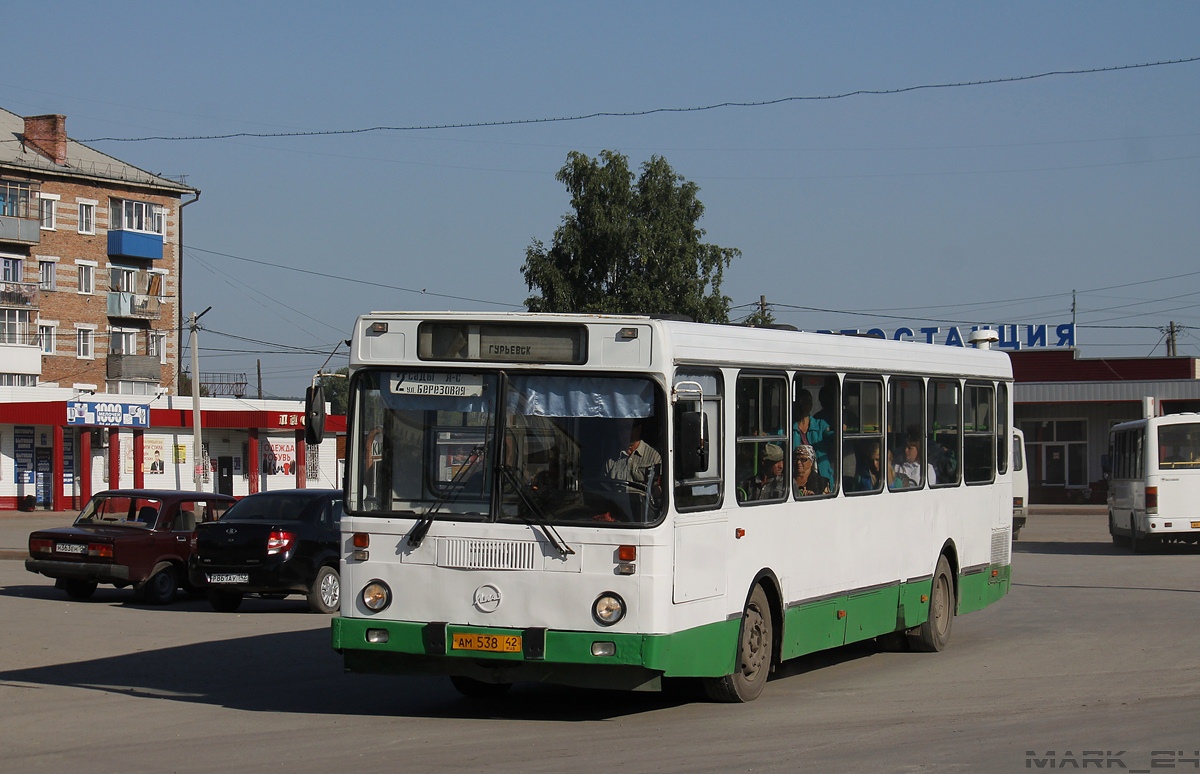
(106,414)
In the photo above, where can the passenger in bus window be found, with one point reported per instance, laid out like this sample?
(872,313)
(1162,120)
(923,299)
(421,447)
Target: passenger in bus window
(867,479)
(815,431)
(769,483)
(907,472)
(806,481)
(825,428)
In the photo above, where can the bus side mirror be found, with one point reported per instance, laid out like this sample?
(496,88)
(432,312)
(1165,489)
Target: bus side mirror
(314,414)
(691,449)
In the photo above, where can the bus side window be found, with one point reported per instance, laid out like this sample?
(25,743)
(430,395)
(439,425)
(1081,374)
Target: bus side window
(697,442)
(979,444)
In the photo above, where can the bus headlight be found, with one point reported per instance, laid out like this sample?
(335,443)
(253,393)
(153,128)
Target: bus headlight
(376,596)
(608,608)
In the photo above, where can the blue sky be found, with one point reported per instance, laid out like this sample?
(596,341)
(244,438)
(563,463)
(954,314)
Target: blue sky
(974,204)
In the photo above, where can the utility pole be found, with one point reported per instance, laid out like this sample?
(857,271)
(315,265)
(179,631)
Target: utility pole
(1171,340)
(259,362)
(197,441)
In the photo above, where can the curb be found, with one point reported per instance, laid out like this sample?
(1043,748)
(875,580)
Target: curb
(6,553)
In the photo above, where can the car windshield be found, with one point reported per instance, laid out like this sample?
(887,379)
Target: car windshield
(121,510)
(567,449)
(271,507)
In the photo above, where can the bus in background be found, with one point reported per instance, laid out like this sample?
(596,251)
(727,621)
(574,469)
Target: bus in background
(1154,483)
(1020,482)
(608,501)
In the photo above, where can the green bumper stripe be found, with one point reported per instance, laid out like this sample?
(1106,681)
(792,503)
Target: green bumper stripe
(702,651)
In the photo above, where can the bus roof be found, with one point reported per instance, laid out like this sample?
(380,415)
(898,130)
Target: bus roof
(683,342)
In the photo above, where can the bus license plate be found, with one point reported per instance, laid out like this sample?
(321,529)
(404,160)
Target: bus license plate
(1196,525)
(493,643)
(229,577)
(70,548)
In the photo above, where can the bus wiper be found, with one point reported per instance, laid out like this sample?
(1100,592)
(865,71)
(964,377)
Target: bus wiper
(421,528)
(543,521)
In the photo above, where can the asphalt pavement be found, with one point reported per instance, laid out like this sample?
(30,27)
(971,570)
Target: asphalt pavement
(15,527)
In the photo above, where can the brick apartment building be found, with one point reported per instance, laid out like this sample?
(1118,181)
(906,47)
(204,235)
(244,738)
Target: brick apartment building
(89,296)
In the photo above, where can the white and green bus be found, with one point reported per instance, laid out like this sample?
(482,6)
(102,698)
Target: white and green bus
(609,501)
(1154,481)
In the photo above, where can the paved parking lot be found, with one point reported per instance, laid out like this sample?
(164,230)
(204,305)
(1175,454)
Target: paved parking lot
(1094,651)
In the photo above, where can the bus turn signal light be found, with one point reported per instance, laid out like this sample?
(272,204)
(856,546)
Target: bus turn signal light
(626,553)
(361,540)
(1151,497)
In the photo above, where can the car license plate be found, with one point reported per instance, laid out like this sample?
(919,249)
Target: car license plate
(70,548)
(493,643)
(229,577)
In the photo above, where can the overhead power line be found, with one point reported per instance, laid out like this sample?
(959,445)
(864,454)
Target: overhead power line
(652,111)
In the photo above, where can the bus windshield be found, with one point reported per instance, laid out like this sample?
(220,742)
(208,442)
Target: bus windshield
(1179,446)
(534,447)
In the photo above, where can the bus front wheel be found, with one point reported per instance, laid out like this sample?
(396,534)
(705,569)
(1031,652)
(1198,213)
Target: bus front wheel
(756,649)
(934,635)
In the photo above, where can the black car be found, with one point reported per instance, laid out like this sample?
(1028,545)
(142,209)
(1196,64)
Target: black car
(272,543)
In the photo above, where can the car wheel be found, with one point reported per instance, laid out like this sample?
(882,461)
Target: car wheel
(76,588)
(755,654)
(933,635)
(325,596)
(225,601)
(159,588)
(477,689)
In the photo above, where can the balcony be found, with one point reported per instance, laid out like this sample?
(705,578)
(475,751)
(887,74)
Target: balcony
(25,231)
(18,212)
(20,351)
(135,244)
(20,295)
(134,367)
(136,305)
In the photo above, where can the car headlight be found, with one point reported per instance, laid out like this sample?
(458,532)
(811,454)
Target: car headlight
(376,596)
(608,608)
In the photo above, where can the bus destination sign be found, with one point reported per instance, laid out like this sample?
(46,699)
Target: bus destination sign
(450,385)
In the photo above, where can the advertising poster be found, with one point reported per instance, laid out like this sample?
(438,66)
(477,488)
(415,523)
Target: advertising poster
(23,454)
(153,459)
(279,458)
(180,454)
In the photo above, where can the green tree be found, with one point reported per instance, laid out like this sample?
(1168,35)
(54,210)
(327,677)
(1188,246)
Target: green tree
(628,247)
(337,391)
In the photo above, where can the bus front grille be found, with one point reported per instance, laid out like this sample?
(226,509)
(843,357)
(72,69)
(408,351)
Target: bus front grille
(466,554)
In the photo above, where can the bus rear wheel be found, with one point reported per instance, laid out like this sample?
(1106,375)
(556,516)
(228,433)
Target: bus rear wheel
(756,650)
(934,635)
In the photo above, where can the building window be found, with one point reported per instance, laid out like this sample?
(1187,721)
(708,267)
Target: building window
(47,275)
(18,380)
(48,210)
(156,346)
(46,336)
(13,270)
(128,215)
(14,326)
(87,218)
(14,199)
(122,342)
(122,280)
(1057,450)
(83,343)
(87,278)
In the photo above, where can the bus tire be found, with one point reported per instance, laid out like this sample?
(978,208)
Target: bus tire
(934,635)
(477,689)
(755,654)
